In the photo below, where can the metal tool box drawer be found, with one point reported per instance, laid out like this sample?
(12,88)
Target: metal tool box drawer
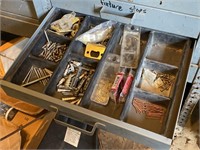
(121,119)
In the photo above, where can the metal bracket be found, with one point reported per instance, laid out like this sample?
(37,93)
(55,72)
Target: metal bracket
(190,103)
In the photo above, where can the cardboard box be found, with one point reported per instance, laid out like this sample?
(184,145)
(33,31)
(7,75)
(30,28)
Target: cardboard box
(19,105)
(33,134)
(14,141)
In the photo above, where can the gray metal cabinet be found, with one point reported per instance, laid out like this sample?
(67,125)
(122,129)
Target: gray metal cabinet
(181,27)
(22,17)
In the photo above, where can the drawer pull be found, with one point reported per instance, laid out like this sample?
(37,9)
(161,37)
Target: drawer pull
(90,133)
(84,131)
(110,14)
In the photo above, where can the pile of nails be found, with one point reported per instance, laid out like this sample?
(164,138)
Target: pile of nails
(35,75)
(167,80)
(53,51)
(151,111)
(74,82)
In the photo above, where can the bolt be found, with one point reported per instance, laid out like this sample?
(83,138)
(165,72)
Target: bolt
(63,90)
(68,98)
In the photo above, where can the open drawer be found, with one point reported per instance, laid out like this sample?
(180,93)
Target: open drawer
(161,52)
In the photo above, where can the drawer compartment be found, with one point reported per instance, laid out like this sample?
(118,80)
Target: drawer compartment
(157,78)
(163,48)
(31,70)
(120,118)
(57,46)
(148,111)
(85,67)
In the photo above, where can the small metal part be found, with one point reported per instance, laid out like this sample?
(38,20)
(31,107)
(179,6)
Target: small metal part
(68,80)
(69,93)
(48,71)
(83,74)
(61,81)
(151,110)
(27,75)
(80,94)
(68,98)
(70,69)
(87,81)
(61,87)
(78,102)
(74,102)
(38,74)
(73,79)
(45,81)
(76,63)
(76,92)
(34,81)
(63,90)
(53,51)
(74,83)
(46,36)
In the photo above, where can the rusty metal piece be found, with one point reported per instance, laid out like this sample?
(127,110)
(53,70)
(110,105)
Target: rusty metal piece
(151,111)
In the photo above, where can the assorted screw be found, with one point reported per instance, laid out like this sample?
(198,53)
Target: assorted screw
(74,82)
(35,75)
(157,82)
(166,79)
(53,51)
(151,111)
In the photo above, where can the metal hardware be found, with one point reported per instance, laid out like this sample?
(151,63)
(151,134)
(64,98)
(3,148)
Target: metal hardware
(28,75)
(74,81)
(94,51)
(68,98)
(152,111)
(63,90)
(53,51)
(34,81)
(46,36)
(38,75)
(41,74)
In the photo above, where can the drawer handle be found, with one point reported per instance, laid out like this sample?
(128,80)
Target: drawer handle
(116,16)
(90,133)
(84,131)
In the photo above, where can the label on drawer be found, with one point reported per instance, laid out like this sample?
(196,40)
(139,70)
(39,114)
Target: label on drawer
(72,137)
